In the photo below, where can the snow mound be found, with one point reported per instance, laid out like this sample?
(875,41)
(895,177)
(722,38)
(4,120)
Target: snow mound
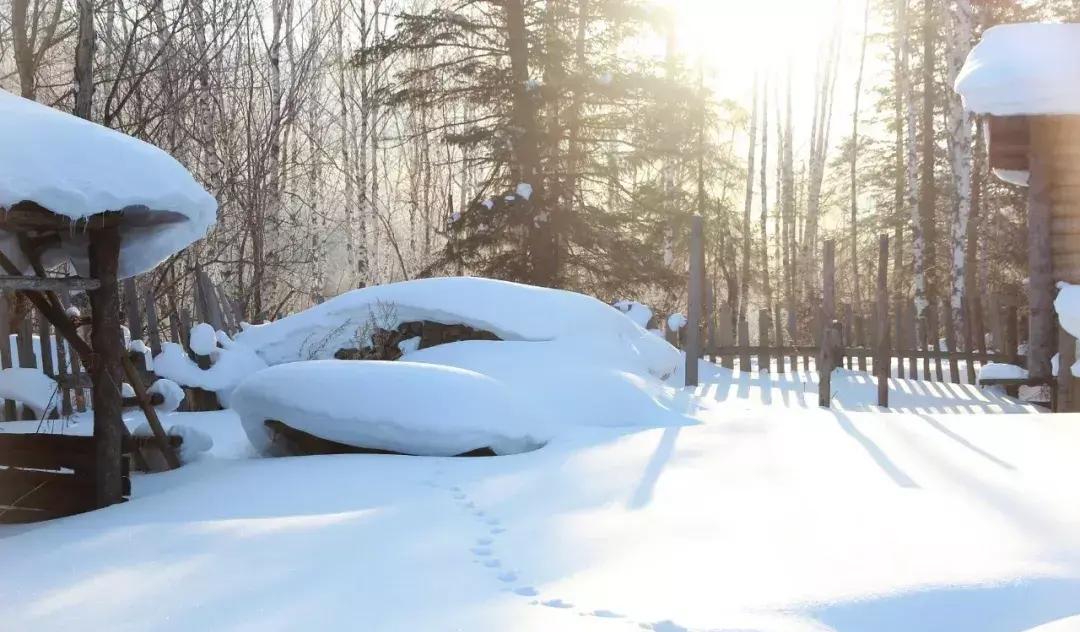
(230,366)
(30,387)
(1001,371)
(170,391)
(676,322)
(561,390)
(396,406)
(637,312)
(509,310)
(77,169)
(195,442)
(203,339)
(1023,69)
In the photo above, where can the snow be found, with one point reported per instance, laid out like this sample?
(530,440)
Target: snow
(229,368)
(77,169)
(31,387)
(1001,371)
(1023,69)
(676,322)
(1067,306)
(195,442)
(800,519)
(1013,176)
(203,339)
(561,328)
(488,204)
(398,406)
(170,392)
(524,190)
(623,503)
(637,312)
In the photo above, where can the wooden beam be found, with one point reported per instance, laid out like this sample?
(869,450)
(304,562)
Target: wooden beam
(27,215)
(105,370)
(47,284)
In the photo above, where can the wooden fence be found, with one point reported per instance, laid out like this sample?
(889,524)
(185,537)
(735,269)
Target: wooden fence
(881,337)
(34,344)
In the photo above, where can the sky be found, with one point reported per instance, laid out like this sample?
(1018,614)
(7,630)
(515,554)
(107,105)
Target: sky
(736,38)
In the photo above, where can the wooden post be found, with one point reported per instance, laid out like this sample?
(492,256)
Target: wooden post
(764,357)
(1012,333)
(898,332)
(105,370)
(969,347)
(152,325)
(131,306)
(710,322)
(1043,187)
(831,330)
(883,359)
(849,334)
(5,350)
(744,346)
(912,341)
(725,335)
(950,344)
(24,345)
(694,293)
(63,374)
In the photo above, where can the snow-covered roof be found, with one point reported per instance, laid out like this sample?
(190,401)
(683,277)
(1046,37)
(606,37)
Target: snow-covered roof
(1023,69)
(77,169)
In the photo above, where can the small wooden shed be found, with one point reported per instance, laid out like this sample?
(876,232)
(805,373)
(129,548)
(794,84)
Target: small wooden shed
(112,206)
(1024,79)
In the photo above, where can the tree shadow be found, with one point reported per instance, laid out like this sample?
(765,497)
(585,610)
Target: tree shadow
(643,493)
(943,429)
(876,453)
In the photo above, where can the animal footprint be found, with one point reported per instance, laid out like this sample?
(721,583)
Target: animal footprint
(483,541)
(497,531)
(606,614)
(508,576)
(481,551)
(556,603)
(526,591)
(493,563)
(492,521)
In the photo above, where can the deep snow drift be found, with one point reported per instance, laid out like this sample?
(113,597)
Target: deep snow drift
(77,168)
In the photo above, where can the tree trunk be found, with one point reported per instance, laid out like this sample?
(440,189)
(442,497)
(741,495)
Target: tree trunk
(765,196)
(960,132)
(84,61)
(856,290)
(744,288)
(927,186)
(543,258)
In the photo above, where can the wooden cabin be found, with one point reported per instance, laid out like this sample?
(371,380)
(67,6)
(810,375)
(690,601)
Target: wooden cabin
(1024,82)
(77,195)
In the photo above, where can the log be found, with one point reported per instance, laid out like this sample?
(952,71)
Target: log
(105,371)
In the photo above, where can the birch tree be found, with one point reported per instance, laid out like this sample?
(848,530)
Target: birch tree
(960,142)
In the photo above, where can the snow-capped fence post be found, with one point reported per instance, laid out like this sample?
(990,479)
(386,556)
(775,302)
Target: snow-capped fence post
(692,330)
(883,359)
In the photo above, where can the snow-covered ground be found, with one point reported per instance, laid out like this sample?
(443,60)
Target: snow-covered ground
(763,512)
